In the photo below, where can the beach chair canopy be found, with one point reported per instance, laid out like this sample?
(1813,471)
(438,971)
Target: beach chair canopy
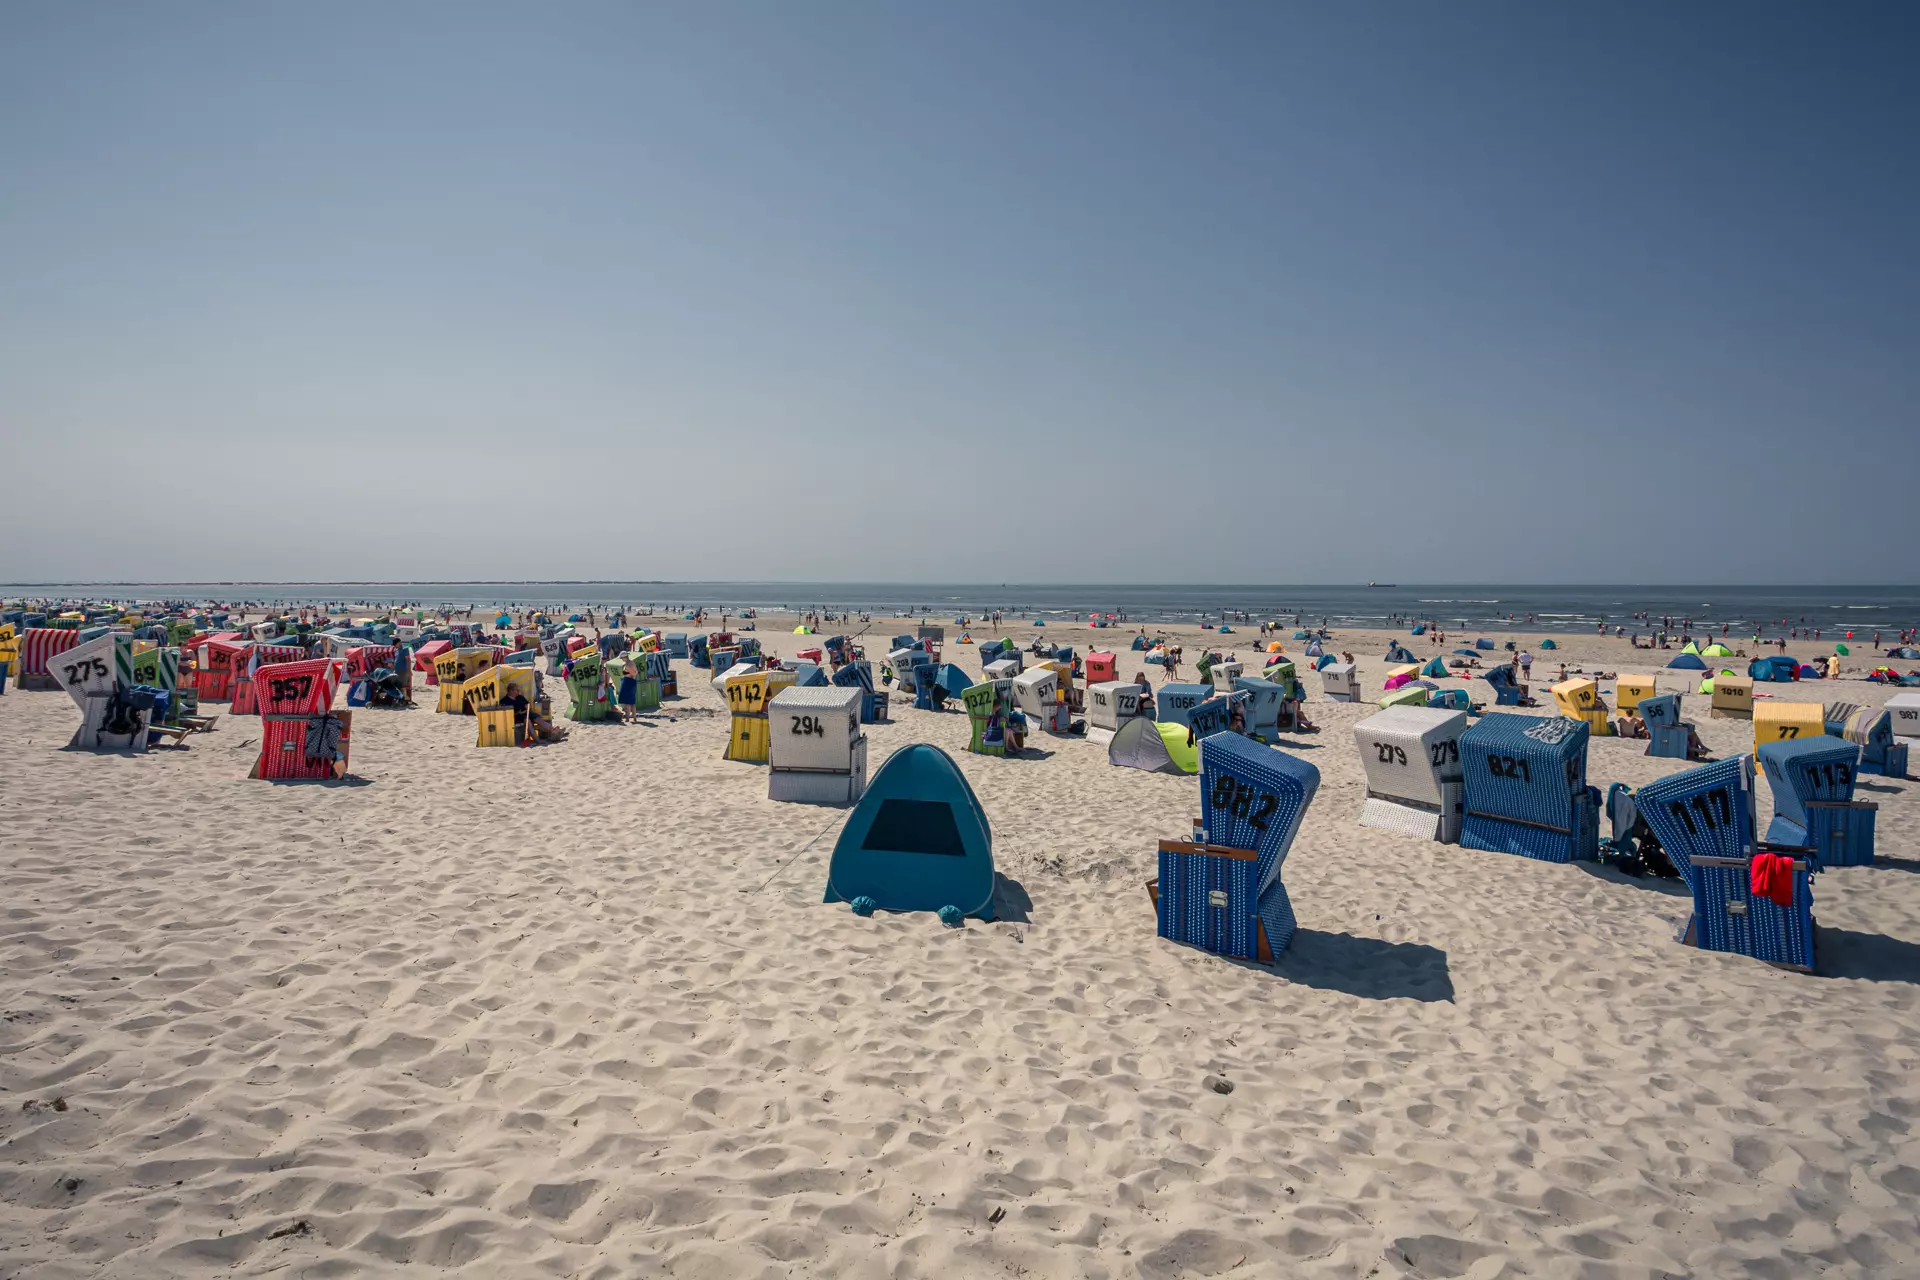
(1164,747)
(917,841)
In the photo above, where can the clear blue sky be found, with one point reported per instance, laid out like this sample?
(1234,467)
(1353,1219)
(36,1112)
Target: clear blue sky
(1257,291)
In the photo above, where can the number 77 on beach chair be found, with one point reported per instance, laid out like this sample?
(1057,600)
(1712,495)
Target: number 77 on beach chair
(1221,892)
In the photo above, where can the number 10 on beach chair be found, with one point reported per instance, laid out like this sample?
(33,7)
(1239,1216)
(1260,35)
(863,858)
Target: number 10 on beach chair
(1221,891)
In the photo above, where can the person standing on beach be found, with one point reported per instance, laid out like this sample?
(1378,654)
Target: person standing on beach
(1526,665)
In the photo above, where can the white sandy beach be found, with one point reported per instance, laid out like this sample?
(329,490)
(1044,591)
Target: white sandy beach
(579,1011)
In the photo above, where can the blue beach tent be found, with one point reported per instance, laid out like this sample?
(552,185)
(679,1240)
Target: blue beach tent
(917,841)
(1687,662)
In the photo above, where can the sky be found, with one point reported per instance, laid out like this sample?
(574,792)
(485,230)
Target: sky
(832,291)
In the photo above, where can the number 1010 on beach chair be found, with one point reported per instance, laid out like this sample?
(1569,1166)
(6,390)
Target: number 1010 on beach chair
(1221,891)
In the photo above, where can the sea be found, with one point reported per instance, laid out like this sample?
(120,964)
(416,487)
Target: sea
(1478,607)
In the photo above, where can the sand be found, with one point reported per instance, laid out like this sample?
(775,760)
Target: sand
(579,1011)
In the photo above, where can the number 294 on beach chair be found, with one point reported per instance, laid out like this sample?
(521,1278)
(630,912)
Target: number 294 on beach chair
(1221,891)
(1703,819)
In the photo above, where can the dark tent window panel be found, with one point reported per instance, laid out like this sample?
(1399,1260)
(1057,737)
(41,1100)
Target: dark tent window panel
(915,826)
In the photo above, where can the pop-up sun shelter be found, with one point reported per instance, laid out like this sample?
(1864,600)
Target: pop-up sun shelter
(917,841)
(1156,747)
(1686,662)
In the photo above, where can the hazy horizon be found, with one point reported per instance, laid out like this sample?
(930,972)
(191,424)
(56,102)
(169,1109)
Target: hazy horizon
(1138,292)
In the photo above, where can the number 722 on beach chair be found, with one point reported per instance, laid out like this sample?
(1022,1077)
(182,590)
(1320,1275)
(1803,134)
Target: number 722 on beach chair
(1221,891)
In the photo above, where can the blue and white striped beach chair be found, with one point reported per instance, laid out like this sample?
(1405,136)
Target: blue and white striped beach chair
(1704,821)
(858,674)
(1526,788)
(1668,735)
(1221,892)
(1507,692)
(1174,703)
(1813,804)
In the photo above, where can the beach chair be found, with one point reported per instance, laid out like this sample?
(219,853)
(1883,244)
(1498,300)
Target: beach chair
(1776,721)
(1220,674)
(1411,756)
(1507,691)
(858,674)
(302,738)
(816,750)
(1174,703)
(1871,729)
(1221,891)
(1407,695)
(1265,706)
(591,701)
(1630,690)
(1110,704)
(1002,669)
(1667,734)
(1037,694)
(1579,699)
(1704,821)
(1526,788)
(1213,716)
(1732,698)
(1905,710)
(988,720)
(660,670)
(1340,682)
(748,694)
(1813,805)
(1102,667)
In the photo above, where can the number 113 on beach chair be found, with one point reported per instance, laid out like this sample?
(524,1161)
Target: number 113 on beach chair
(1221,891)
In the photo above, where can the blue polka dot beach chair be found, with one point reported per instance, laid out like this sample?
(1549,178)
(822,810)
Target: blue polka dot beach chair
(1813,804)
(1526,788)
(1704,821)
(1221,891)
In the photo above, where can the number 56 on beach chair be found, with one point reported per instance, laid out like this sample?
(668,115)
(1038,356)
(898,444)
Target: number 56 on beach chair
(1221,891)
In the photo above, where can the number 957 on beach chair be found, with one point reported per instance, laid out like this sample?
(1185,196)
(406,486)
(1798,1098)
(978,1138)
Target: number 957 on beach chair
(1221,891)
(1749,899)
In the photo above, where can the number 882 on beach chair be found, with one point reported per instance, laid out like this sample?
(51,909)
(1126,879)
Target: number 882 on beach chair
(1221,891)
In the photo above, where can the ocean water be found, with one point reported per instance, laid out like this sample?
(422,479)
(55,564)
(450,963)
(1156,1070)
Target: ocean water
(1835,609)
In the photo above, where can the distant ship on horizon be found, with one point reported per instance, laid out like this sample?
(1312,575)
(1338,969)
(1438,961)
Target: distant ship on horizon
(1383,584)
